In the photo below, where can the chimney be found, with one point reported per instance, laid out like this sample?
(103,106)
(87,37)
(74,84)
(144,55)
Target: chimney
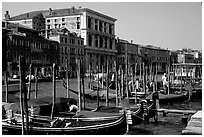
(131,41)
(7,16)
(50,9)
(27,15)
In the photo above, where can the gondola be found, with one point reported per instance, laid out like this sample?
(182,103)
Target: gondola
(92,94)
(142,112)
(172,97)
(105,124)
(64,122)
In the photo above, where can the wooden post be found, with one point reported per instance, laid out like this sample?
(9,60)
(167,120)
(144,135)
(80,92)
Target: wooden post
(23,93)
(29,81)
(21,98)
(119,85)
(146,77)
(54,91)
(102,77)
(116,83)
(140,70)
(156,76)
(67,73)
(79,82)
(90,76)
(169,78)
(135,83)
(144,83)
(36,83)
(6,83)
(107,85)
(181,78)
(150,78)
(83,87)
(126,70)
(132,78)
(98,86)
(122,82)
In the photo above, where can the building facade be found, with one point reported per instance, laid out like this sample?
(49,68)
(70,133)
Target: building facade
(38,51)
(123,46)
(97,30)
(156,56)
(71,48)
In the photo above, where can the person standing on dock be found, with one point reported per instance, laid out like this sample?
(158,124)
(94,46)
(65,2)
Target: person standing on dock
(164,82)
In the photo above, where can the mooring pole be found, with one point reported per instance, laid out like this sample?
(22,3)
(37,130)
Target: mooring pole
(36,83)
(140,71)
(83,87)
(116,83)
(156,76)
(29,81)
(169,67)
(23,93)
(119,84)
(107,85)
(79,82)
(67,73)
(126,69)
(181,77)
(54,91)
(6,83)
(97,86)
(144,83)
(122,82)
(21,98)
(102,77)
(135,83)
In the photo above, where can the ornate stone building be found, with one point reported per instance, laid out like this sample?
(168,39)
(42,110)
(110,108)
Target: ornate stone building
(97,29)
(21,40)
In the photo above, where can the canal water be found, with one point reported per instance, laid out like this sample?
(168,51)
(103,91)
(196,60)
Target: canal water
(169,125)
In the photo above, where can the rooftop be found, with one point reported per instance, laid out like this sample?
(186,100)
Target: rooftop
(57,12)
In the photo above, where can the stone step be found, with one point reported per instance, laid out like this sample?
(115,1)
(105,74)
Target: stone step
(192,131)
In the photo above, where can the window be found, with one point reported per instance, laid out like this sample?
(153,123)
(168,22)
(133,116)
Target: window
(78,25)
(96,40)
(65,40)
(100,26)
(78,18)
(96,24)
(101,41)
(63,19)
(55,20)
(65,49)
(110,29)
(90,40)
(48,21)
(89,22)
(106,42)
(82,43)
(110,44)
(48,26)
(62,50)
(62,39)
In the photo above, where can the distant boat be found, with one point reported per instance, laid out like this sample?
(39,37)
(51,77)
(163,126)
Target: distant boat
(12,88)
(171,98)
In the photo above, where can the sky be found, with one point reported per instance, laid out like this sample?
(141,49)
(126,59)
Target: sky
(172,25)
